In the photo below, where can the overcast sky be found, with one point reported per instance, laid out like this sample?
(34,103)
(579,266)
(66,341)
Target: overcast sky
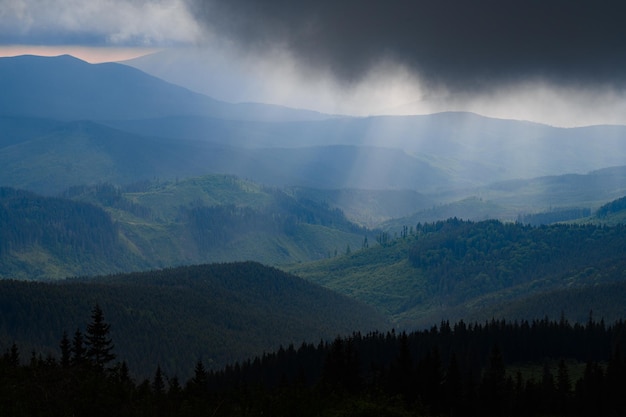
(561,62)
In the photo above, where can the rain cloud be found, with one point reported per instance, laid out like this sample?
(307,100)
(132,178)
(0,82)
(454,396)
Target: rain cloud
(459,45)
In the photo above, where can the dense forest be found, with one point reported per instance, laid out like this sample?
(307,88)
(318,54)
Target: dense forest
(40,236)
(538,368)
(219,312)
(465,259)
(457,269)
(27,219)
(102,228)
(612,207)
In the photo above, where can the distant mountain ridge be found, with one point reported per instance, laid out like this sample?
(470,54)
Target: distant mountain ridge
(57,156)
(64,122)
(67,88)
(515,199)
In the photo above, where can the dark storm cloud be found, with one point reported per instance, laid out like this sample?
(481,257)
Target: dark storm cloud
(460,44)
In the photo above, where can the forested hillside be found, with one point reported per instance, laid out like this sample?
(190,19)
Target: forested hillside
(102,228)
(217,313)
(457,269)
(46,237)
(613,212)
(220,218)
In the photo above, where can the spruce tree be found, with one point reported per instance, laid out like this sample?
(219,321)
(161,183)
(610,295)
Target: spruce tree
(158,383)
(99,345)
(66,351)
(78,350)
(199,383)
(13,356)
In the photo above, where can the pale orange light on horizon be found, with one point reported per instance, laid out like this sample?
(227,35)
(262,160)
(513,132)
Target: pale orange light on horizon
(91,54)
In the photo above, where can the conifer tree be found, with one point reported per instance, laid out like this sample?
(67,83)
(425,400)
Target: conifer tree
(66,351)
(79,352)
(563,387)
(99,345)
(492,388)
(158,383)
(13,356)
(200,380)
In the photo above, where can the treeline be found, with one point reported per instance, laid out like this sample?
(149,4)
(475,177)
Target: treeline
(496,368)
(463,259)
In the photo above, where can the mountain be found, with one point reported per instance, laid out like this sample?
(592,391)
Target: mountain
(66,88)
(464,149)
(85,153)
(456,269)
(584,190)
(49,157)
(14,130)
(131,126)
(473,150)
(215,313)
(541,200)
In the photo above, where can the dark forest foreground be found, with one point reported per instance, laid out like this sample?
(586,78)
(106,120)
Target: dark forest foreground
(539,368)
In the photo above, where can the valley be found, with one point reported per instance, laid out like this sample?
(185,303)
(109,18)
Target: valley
(158,176)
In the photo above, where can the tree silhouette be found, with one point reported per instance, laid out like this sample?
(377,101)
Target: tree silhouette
(158,383)
(66,351)
(492,387)
(78,350)
(99,345)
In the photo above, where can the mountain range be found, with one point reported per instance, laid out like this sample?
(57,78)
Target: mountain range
(109,170)
(132,126)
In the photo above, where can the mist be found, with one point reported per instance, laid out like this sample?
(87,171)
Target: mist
(226,73)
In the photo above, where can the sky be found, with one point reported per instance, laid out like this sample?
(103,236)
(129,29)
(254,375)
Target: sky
(561,62)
